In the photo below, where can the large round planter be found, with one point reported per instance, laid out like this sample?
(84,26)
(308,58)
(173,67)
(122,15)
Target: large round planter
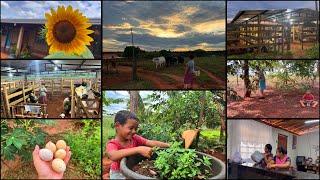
(128,163)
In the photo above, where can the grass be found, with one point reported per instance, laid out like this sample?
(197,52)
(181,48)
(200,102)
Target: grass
(215,65)
(269,55)
(210,133)
(108,132)
(139,84)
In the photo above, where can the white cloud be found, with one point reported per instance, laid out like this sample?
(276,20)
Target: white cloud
(4,4)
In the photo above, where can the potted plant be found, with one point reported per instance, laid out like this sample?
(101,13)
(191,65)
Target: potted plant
(173,163)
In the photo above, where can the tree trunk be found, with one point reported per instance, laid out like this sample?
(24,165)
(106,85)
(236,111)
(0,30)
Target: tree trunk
(222,112)
(246,79)
(202,105)
(134,101)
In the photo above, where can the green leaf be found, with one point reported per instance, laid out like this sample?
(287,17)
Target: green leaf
(9,141)
(17,143)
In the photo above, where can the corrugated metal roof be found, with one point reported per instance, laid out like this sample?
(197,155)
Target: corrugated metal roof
(39,65)
(94,21)
(247,15)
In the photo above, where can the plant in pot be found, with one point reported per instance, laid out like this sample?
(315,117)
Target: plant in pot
(173,163)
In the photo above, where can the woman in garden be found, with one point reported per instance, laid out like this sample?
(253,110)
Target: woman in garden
(127,142)
(188,74)
(262,82)
(280,160)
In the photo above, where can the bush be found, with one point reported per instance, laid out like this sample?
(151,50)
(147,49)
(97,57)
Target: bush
(85,147)
(313,53)
(160,132)
(21,139)
(178,163)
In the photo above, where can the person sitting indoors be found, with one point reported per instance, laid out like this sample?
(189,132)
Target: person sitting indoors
(268,156)
(308,100)
(280,160)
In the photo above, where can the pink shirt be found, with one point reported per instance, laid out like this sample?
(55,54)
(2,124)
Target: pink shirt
(114,144)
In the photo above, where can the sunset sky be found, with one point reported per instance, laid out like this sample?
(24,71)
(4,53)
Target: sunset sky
(178,26)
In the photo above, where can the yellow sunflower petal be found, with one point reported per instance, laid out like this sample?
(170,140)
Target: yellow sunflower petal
(80,23)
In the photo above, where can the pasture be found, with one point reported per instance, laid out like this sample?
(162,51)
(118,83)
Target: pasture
(212,74)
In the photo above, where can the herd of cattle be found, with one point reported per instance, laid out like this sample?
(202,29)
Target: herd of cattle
(166,61)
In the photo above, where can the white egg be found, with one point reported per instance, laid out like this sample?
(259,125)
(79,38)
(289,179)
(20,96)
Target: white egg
(46,154)
(58,165)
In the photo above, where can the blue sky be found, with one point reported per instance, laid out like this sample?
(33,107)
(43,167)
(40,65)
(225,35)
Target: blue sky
(174,25)
(113,108)
(235,6)
(37,9)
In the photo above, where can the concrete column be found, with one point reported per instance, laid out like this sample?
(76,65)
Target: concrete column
(19,43)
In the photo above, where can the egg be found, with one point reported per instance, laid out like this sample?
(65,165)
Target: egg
(61,144)
(58,165)
(45,154)
(50,145)
(60,153)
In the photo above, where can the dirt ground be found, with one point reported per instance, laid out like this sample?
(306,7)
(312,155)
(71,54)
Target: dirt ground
(275,105)
(55,106)
(157,80)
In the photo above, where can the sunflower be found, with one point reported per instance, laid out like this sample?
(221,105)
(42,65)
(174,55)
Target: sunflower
(67,31)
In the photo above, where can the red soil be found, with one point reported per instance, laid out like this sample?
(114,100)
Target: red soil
(275,105)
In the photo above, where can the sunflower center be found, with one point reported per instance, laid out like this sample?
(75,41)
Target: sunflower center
(64,31)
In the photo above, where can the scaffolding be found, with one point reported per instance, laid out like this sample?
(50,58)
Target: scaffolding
(271,30)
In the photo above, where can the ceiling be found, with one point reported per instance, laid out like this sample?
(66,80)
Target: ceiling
(20,67)
(279,15)
(295,126)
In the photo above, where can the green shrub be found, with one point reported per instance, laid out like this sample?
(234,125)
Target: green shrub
(85,146)
(21,139)
(178,163)
(313,53)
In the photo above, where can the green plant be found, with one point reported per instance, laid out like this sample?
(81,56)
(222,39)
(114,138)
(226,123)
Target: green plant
(313,52)
(178,163)
(158,131)
(21,139)
(83,144)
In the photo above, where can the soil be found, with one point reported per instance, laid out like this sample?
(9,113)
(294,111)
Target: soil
(60,126)
(216,154)
(146,168)
(4,55)
(157,79)
(275,105)
(55,106)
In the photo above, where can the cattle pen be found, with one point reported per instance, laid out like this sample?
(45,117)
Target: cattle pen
(72,89)
(280,30)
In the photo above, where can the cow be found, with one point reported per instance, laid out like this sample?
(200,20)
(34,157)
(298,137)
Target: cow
(159,61)
(180,59)
(171,60)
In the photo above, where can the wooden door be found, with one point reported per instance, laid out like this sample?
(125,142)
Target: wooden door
(282,141)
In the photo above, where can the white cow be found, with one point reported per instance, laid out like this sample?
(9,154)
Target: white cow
(160,61)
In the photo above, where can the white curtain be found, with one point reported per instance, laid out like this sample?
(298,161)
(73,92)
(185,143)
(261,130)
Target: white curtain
(247,136)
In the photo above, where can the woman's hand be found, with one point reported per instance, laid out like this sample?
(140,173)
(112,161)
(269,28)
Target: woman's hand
(44,168)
